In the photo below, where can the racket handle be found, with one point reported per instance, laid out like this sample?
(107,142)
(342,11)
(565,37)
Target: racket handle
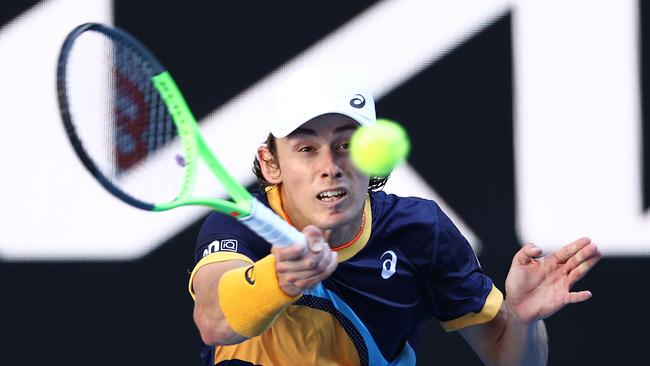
(267,224)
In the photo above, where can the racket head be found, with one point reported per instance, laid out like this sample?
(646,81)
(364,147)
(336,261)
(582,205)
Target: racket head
(116,120)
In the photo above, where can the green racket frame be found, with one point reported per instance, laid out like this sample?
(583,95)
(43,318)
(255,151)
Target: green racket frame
(194,146)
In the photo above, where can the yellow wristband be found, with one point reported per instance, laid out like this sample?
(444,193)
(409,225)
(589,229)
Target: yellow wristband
(251,297)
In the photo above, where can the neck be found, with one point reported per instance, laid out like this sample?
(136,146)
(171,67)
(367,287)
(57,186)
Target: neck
(339,237)
(336,237)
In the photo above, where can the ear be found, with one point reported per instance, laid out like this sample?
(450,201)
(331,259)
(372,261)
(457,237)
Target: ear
(269,165)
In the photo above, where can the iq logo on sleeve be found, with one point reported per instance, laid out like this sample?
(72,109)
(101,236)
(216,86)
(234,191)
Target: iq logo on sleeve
(225,245)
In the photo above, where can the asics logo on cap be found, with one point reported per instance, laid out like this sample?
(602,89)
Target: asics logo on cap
(358,101)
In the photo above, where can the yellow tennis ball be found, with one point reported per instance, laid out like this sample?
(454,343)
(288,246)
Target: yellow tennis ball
(376,149)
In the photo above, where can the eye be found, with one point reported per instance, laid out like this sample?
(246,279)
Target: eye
(305,149)
(344,146)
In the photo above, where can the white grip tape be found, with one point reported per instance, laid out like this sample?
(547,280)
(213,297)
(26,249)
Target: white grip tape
(267,224)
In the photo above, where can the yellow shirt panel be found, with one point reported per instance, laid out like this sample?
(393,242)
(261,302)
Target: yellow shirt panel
(300,336)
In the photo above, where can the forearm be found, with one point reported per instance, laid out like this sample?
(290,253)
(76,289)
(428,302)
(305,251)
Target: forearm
(213,326)
(237,300)
(240,303)
(521,343)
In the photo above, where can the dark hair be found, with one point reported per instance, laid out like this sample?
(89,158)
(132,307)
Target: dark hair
(375,184)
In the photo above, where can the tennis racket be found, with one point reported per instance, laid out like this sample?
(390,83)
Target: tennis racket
(132,129)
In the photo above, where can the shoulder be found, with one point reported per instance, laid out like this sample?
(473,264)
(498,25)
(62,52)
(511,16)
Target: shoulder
(223,233)
(405,210)
(222,222)
(414,220)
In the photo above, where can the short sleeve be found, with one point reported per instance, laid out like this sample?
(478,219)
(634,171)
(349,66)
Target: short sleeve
(223,238)
(223,234)
(462,295)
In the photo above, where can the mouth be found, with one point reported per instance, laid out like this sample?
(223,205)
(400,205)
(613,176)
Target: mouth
(332,195)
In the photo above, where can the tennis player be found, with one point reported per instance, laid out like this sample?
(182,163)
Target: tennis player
(376,265)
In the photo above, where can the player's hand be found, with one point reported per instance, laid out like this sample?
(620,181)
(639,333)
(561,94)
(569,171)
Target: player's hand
(300,267)
(537,288)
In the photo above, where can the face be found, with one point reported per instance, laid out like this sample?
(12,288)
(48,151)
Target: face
(320,185)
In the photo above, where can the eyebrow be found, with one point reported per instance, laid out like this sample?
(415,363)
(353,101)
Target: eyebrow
(309,132)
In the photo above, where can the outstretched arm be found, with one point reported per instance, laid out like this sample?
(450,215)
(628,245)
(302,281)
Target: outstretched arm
(294,269)
(536,288)
(506,340)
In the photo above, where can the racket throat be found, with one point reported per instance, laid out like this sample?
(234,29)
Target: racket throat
(238,210)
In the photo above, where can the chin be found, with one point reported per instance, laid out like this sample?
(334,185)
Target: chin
(333,221)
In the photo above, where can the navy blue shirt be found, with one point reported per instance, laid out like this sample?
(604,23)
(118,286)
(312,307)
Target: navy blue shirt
(410,263)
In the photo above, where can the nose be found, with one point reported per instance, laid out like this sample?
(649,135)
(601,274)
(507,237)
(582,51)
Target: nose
(330,165)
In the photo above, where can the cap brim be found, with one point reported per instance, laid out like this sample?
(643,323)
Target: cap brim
(285,130)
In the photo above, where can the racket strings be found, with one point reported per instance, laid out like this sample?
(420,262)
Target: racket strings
(121,120)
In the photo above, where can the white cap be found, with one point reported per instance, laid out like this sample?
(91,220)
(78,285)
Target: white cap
(314,91)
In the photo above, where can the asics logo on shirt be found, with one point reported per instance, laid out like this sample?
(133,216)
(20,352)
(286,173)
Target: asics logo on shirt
(389,265)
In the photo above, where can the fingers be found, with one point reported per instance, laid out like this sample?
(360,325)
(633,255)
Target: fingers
(309,278)
(579,271)
(526,254)
(583,255)
(291,252)
(578,265)
(299,267)
(315,243)
(571,249)
(315,257)
(307,266)
(574,297)
(315,278)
